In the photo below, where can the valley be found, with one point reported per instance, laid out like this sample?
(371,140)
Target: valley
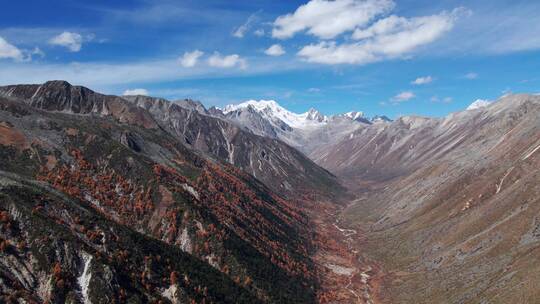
(270,152)
(144,200)
(348,276)
(445,209)
(449,207)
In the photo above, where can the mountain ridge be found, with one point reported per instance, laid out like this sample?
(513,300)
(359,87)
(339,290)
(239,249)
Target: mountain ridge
(279,166)
(210,216)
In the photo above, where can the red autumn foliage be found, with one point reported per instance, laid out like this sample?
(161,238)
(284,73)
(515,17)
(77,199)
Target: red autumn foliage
(272,225)
(174,277)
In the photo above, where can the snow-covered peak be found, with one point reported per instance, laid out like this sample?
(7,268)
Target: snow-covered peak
(354,115)
(479,103)
(260,105)
(271,110)
(315,115)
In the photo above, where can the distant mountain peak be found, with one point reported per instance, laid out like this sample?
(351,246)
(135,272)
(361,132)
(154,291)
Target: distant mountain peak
(191,104)
(274,112)
(304,131)
(315,115)
(57,83)
(354,115)
(260,105)
(380,118)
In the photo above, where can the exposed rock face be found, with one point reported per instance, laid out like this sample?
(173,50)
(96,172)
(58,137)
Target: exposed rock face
(60,96)
(306,132)
(192,105)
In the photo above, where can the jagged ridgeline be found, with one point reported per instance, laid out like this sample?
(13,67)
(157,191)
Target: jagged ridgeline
(108,200)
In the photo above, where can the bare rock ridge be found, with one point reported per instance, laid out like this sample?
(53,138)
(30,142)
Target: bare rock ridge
(61,96)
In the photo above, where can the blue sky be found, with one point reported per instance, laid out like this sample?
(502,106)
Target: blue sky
(387,57)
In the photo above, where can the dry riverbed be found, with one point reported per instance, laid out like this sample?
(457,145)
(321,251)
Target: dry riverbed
(347,277)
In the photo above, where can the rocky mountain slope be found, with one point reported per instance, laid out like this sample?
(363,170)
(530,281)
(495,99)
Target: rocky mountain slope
(449,207)
(101,203)
(281,167)
(306,131)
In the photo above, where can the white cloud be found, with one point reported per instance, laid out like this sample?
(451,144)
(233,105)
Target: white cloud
(515,29)
(314,90)
(106,75)
(479,103)
(471,76)
(190,59)
(8,50)
(275,50)
(242,29)
(404,96)
(230,61)
(330,53)
(259,33)
(422,80)
(388,38)
(69,40)
(328,19)
(132,92)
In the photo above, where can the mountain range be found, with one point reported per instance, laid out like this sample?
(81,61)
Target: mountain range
(303,131)
(136,199)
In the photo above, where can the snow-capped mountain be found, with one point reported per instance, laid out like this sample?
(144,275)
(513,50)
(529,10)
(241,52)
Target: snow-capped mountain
(304,131)
(272,111)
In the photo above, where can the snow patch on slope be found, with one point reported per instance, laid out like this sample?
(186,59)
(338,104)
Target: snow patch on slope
(185,241)
(84,279)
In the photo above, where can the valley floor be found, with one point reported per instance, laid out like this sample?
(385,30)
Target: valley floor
(348,276)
